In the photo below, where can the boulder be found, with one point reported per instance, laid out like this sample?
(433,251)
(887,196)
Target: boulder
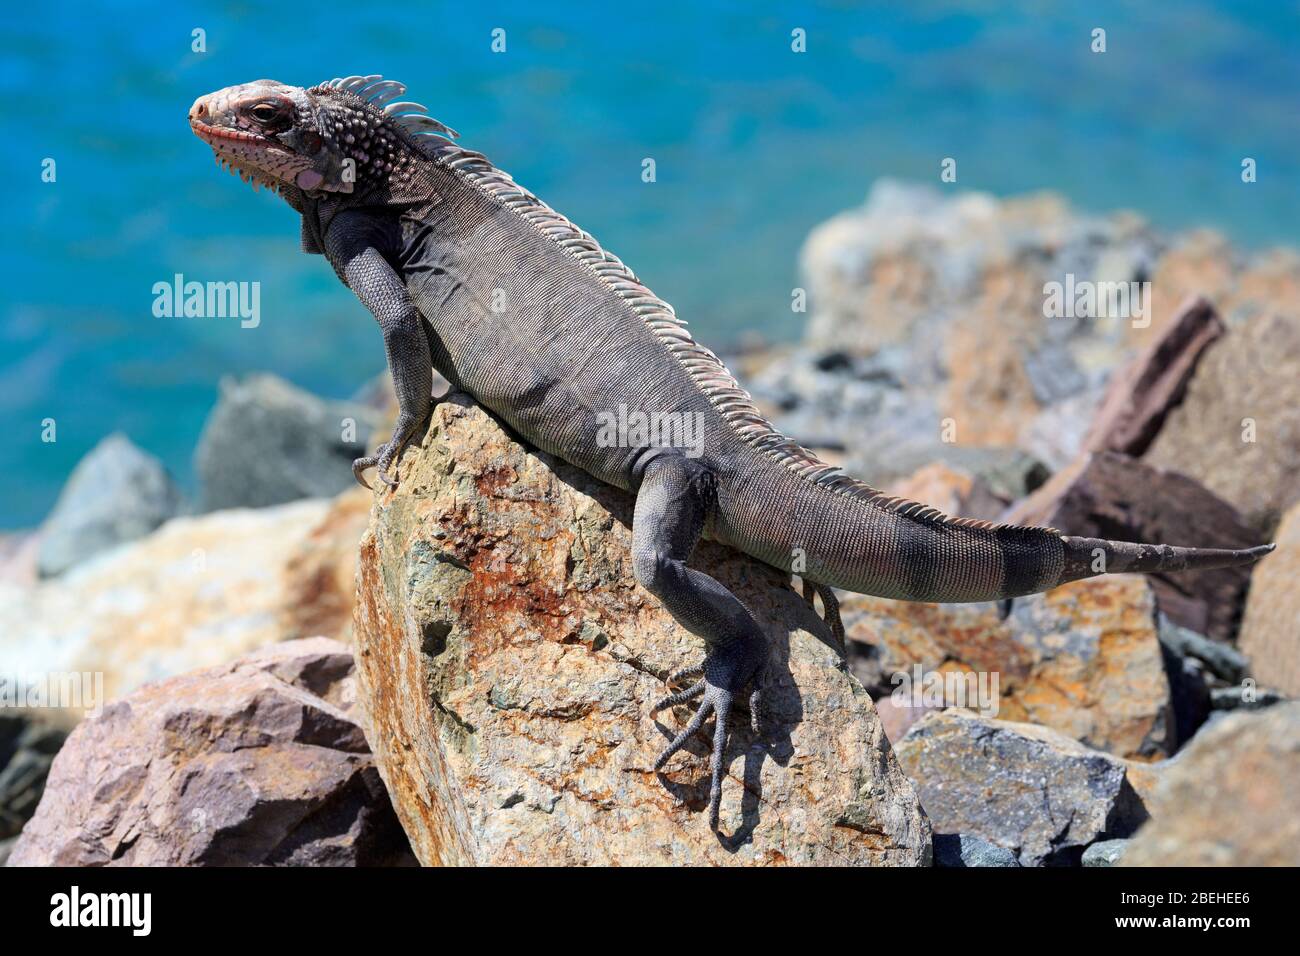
(508,661)
(1237,431)
(117,493)
(1083,659)
(1028,789)
(198,591)
(960,851)
(1270,632)
(1104,853)
(934,272)
(1140,396)
(267,442)
(1232,798)
(259,762)
(1109,495)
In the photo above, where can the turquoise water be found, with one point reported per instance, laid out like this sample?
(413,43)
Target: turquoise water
(754,145)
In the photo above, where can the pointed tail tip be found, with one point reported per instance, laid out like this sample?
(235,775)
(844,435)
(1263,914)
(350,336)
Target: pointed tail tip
(1082,557)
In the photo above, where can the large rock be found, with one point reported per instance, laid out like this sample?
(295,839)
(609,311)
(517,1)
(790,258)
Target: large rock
(257,762)
(267,442)
(1141,395)
(196,592)
(117,493)
(1237,431)
(1270,632)
(1232,798)
(1031,790)
(1083,659)
(508,661)
(1109,495)
(934,273)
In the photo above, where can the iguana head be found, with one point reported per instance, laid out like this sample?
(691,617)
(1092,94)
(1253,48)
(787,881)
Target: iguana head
(329,138)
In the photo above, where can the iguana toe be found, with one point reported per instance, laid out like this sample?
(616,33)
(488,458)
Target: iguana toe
(359,465)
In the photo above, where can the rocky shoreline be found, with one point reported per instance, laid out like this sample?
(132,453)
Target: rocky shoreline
(505,659)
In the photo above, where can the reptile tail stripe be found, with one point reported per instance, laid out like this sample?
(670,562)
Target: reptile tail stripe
(1089,557)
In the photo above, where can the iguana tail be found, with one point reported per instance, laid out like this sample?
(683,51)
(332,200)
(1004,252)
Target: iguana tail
(1089,557)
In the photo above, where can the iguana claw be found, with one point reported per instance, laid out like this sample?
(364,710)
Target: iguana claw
(359,466)
(381,460)
(721,670)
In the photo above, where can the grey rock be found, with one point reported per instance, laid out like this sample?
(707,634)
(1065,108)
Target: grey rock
(1244,696)
(1034,791)
(27,748)
(1104,853)
(963,850)
(117,493)
(268,442)
(1056,434)
(1223,660)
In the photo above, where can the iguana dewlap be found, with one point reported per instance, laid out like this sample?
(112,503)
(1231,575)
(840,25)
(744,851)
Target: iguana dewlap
(471,274)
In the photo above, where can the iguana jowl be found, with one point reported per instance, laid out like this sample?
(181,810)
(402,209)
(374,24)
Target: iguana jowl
(471,274)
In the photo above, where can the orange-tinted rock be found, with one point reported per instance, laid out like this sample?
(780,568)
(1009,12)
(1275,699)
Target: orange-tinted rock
(508,661)
(320,575)
(197,592)
(1083,658)
(1270,632)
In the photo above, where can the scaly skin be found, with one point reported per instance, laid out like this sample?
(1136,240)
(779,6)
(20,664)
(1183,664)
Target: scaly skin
(468,273)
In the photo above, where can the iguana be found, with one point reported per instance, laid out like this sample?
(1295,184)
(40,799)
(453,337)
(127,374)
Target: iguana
(469,273)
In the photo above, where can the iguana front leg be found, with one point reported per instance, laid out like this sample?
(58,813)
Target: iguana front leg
(354,244)
(672,505)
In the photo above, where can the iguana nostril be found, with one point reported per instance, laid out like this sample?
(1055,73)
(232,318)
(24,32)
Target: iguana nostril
(199,111)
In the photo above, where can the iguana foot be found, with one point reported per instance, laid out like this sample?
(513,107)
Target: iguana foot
(382,460)
(726,672)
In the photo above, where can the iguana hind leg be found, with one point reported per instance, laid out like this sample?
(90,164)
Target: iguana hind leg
(672,505)
(830,612)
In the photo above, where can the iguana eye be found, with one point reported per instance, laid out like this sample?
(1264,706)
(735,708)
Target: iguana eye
(263,112)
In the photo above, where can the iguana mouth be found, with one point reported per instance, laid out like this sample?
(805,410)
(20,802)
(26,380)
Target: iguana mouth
(244,152)
(219,137)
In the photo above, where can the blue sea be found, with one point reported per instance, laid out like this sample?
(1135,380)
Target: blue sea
(754,144)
